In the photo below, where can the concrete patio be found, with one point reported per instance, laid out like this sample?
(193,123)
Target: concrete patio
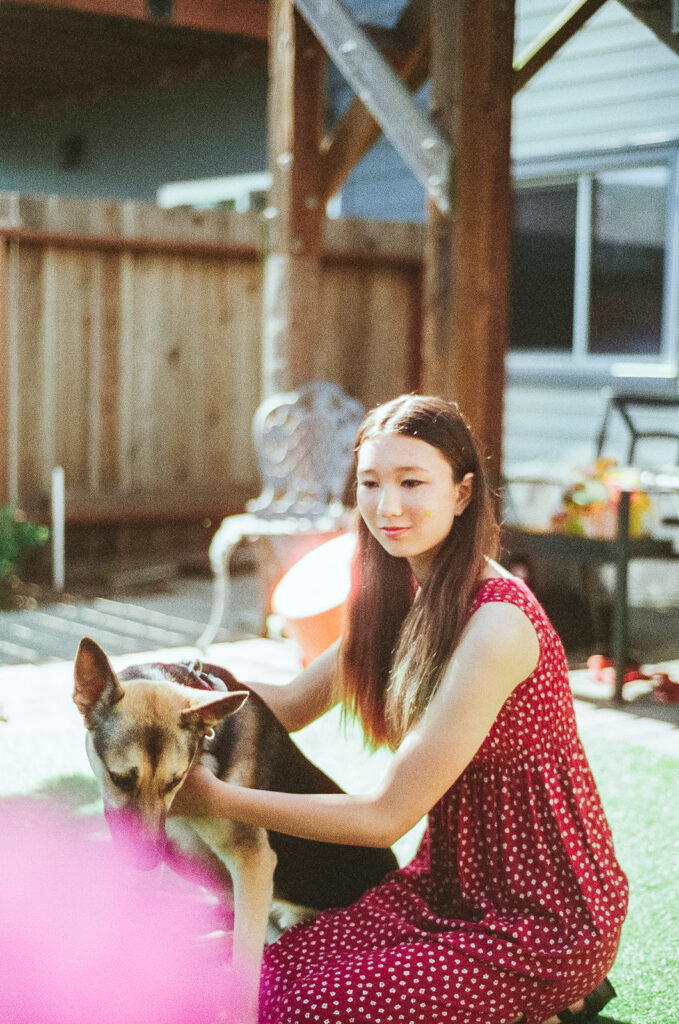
(42,739)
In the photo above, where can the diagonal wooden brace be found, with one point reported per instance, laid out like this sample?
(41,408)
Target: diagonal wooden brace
(379,88)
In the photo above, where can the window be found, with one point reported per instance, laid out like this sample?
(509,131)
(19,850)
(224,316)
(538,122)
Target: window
(543,258)
(629,214)
(592,264)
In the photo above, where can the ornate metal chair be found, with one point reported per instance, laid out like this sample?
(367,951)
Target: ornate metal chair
(304,443)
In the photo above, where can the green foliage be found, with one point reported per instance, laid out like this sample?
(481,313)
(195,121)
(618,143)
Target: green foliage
(17,536)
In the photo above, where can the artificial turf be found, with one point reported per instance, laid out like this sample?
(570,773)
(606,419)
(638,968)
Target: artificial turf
(639,789)
(640,792)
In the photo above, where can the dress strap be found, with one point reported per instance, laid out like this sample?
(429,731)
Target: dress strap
(512,590)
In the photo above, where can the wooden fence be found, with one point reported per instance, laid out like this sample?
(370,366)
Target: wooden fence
(130,348)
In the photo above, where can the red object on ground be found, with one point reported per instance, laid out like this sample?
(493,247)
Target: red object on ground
(666,689)
(602,670)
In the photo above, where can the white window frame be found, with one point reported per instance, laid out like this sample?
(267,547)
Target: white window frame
(579,363)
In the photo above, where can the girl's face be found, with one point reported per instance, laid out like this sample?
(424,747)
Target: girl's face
(408,498)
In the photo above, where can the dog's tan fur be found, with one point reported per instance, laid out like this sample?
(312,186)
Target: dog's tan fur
(145,728)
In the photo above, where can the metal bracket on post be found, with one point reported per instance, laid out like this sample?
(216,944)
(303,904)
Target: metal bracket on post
(407,127)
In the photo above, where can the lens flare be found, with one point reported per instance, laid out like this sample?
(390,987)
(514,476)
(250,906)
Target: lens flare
(85,938)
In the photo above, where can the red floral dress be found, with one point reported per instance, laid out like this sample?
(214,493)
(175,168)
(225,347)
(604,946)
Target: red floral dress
(513,903)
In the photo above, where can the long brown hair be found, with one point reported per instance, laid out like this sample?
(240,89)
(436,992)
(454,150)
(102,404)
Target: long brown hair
(397,642)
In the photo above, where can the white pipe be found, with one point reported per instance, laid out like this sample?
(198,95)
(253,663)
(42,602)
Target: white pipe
(58,529)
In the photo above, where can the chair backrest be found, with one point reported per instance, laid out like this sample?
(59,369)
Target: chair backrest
(304,441)
(646,418)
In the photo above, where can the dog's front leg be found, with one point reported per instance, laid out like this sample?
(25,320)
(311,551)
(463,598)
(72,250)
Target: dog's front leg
(251,862)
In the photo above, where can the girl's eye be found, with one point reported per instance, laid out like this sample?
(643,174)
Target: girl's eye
(412,483)
(368,484)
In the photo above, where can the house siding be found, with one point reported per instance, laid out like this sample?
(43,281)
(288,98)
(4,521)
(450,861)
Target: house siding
(613,85)
(549,427)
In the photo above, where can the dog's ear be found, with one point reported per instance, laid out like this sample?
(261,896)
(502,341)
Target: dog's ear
(207,709)
(94,678)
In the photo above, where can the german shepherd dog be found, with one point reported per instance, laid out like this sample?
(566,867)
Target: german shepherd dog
(146,727)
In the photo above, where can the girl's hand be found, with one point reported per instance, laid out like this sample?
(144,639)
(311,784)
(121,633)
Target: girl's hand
(193,798)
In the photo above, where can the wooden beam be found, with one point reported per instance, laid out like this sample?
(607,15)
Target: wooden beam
(127,243)
(406,126)
(557,33)
(358,130)
(292,267)
(248,18)
(467,253)
(111,8)
(412,21)
(235,17)
(661,17)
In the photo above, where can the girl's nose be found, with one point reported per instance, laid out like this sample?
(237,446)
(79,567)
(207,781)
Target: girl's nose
(389,503)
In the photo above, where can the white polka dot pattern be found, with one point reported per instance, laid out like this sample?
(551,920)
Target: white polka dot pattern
(513,903)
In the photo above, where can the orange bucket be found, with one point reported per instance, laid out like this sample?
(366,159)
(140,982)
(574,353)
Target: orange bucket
(311,597)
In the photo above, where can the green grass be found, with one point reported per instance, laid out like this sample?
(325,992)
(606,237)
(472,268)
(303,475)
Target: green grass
(640,792)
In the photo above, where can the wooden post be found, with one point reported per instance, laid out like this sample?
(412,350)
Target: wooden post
(467,254)
(292,269)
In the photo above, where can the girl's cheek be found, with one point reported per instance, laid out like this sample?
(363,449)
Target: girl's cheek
(365,508)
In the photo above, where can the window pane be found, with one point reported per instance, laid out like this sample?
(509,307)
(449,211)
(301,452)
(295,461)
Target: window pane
(543,255)
(628,255)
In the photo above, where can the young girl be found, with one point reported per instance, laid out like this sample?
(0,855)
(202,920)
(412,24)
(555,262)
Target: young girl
(512,908)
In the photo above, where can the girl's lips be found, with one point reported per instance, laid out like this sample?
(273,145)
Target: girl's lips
(394,531)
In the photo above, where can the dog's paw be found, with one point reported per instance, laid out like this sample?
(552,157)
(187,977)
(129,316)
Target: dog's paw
(284,915)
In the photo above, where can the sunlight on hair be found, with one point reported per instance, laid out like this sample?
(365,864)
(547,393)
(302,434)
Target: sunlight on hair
(84,939)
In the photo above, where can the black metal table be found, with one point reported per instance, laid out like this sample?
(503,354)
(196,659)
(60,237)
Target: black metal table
(619,552)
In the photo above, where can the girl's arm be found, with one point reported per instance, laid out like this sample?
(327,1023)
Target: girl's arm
(306,697)
(498,650)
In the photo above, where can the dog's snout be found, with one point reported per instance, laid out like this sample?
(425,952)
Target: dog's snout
(142,846)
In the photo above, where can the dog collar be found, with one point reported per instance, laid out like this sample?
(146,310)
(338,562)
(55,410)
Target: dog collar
(201,680)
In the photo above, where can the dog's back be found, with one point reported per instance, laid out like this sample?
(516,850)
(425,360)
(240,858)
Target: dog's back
(251,748)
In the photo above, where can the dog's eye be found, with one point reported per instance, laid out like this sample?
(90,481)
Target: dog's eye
(173,783)
(125,782)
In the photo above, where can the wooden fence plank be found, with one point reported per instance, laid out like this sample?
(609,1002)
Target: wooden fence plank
(126,370)
(362,346)
(136,362)
(4,369)
(45,410)
(105,377)
(29,370)
(13,432)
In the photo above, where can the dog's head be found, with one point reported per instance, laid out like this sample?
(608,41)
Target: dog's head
(143,735)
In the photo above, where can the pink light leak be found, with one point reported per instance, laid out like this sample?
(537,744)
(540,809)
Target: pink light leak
(84,938)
